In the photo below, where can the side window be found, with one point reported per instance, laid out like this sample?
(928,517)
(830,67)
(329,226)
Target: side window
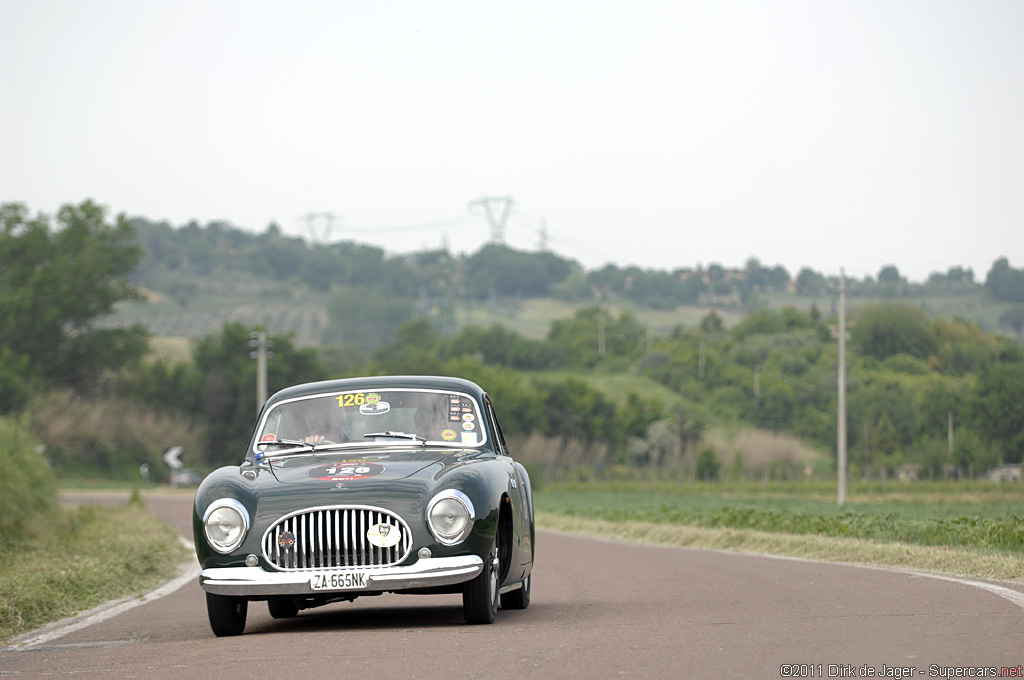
(499,438)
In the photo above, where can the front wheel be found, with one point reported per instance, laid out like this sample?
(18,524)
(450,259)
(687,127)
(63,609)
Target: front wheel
(518,598)
(226,613)
(480,596)
(283,607)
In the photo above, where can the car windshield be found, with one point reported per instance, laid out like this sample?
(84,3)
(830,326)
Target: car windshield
(373,416)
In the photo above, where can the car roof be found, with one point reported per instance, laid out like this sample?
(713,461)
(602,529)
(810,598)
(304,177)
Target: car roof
(381,382)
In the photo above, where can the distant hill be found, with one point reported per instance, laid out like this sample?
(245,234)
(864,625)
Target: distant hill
(197,277)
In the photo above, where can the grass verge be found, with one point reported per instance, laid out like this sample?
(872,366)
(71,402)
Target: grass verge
(77,558)
(951,561)
(969,532)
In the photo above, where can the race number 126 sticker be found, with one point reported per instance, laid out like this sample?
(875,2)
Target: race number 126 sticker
(345,472)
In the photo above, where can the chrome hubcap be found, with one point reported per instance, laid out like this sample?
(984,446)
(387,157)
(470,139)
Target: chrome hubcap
(494,577)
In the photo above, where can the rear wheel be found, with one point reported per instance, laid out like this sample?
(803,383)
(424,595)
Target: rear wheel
(480,596)
(283,607)
(226,613)
(518,598)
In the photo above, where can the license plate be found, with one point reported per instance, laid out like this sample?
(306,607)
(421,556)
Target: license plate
(338,580)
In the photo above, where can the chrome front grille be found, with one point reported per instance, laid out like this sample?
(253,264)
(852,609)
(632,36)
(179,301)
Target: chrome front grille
(333,538)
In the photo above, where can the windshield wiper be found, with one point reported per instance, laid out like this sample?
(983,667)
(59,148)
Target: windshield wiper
(286,442)
(291,443)
(397,435)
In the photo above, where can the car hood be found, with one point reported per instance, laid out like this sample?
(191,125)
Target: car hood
(352,467)
(406,477)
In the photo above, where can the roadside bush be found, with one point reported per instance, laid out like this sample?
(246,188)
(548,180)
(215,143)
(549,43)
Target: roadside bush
(14,388)
(555,459)
(760,452)
(708,464)
(27,486)
(110,437)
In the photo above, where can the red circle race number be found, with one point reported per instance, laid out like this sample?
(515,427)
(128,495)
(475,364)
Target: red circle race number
(345,472)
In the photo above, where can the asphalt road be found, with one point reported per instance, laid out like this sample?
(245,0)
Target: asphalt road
(600,609)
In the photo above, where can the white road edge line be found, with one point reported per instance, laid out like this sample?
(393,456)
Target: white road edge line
(188,573)
(1014,596)
(1010,594)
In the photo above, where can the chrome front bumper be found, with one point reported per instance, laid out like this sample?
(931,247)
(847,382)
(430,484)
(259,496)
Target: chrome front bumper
(425,573)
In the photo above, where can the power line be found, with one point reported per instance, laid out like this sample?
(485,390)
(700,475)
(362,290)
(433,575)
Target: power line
(499,211)
(423,226)
(540,224)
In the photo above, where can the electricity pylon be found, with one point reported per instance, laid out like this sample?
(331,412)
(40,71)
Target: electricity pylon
(497,222)
(326,221)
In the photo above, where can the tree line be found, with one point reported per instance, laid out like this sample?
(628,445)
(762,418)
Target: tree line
(173,258)
(910,375)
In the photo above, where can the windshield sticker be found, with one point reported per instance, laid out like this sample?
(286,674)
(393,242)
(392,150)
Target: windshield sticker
(353,399)
(366,402)
(268,437)
(468,417)
(448,435)
(345,472)
(469,438)
(468,425)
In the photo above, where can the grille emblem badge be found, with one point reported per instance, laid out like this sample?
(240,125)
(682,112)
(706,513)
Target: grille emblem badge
(286,540)
(384,535)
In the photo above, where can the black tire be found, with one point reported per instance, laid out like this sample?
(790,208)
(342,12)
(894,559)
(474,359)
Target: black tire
(518,598)
(480,596)
(227,614)
(283,607)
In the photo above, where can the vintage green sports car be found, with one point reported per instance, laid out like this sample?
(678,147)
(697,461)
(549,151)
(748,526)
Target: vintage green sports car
(364,486)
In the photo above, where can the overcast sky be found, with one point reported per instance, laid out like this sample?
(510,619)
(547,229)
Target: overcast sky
(806,133)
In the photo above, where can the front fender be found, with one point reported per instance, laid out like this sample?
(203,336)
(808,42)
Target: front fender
(225,482)
(492,484)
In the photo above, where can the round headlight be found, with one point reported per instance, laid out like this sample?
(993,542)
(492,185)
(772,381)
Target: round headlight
(450,516)
(225,524)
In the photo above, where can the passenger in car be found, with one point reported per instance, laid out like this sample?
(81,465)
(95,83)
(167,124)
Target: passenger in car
(432,417)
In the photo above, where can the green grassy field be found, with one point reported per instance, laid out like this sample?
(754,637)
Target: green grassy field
(971,529)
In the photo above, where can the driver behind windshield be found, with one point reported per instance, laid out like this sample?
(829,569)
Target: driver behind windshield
(324,420)
(314,421)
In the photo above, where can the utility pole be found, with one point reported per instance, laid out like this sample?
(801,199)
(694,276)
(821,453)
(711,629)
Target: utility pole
(447,296)
(678,427)
(841,424)
(260,343)
(950,433)
(497,222)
